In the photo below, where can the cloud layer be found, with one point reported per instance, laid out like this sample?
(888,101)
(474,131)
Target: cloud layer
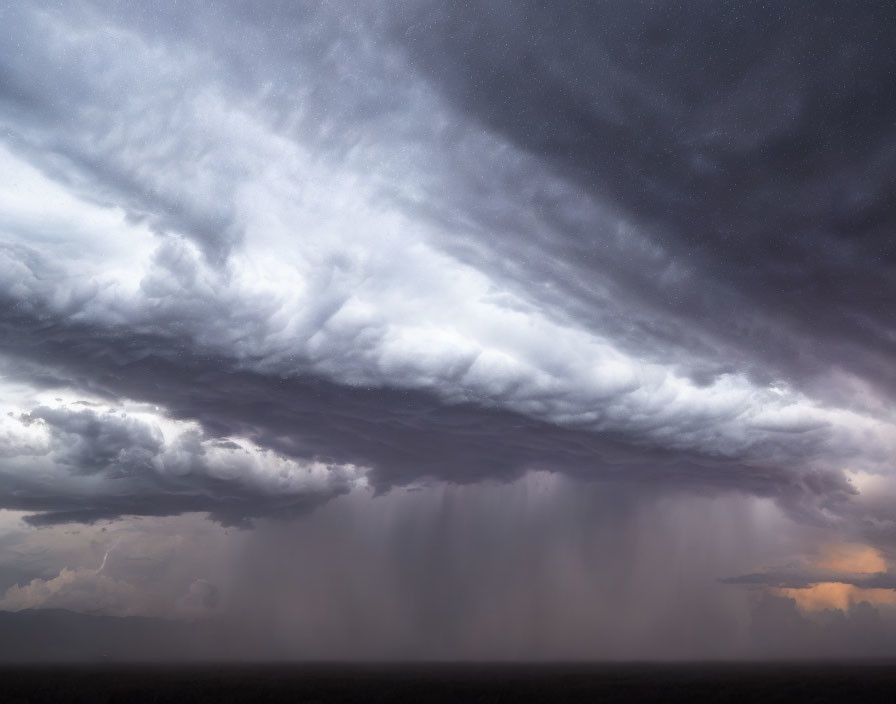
(294,251)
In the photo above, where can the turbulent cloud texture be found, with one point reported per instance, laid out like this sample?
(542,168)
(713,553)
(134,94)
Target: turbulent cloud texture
(440,241)
(257,257)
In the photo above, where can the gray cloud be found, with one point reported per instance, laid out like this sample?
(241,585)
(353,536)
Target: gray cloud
(434,249)
(101,464)
(758,156)
(255,260)
(92,443)
(401,434)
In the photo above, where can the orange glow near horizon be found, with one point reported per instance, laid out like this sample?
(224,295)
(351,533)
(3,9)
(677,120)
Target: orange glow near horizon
(836,595)
(854,558)
(850,559)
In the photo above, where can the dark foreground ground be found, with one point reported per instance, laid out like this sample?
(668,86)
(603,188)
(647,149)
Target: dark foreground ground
(807,682)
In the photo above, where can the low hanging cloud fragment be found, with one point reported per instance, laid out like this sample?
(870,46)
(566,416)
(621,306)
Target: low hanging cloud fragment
(803,580)
(84,464)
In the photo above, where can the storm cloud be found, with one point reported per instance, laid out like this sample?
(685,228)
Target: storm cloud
(256,258)
(342,272)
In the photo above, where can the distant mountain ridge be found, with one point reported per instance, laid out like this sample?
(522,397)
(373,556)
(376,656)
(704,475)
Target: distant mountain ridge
(59,635)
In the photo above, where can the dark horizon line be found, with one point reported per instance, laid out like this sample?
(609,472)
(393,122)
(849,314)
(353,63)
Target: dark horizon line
(888,661)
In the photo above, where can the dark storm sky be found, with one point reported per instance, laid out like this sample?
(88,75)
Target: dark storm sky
(257,256)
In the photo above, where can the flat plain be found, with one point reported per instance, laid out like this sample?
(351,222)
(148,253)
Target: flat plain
(451,682)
